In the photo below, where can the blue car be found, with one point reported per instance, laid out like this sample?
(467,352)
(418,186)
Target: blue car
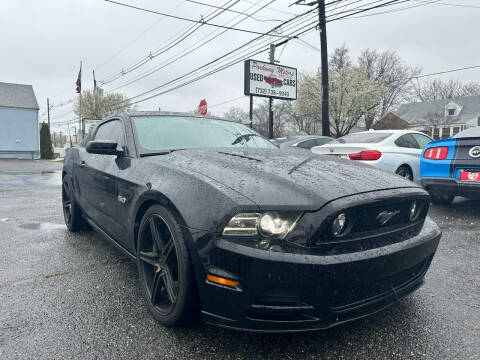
(451,167)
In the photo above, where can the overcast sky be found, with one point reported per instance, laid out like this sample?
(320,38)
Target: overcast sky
(43,42)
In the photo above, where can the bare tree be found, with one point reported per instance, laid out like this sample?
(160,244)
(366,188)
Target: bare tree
(236,114)
(437,89)
(280,123)
(340,58)
(388,69)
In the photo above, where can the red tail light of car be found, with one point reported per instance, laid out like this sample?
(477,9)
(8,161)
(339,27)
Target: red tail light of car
(367,155)
(436,153)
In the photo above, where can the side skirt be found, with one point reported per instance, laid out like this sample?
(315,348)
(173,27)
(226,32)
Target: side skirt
(109,238)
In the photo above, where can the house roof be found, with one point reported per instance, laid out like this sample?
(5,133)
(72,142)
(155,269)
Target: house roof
(17,96)
(390,121)
(414,112)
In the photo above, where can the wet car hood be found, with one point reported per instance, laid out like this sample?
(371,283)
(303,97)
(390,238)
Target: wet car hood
(274,178)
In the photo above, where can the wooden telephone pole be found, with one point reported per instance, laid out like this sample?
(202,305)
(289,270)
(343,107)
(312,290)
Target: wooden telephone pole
(322,24)
(270,99)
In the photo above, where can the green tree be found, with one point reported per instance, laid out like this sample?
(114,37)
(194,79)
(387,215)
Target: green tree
(46,149)
(96,105)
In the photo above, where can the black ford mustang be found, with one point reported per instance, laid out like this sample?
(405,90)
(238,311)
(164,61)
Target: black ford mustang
(220,220)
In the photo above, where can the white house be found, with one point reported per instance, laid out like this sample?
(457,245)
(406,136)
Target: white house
(442,118)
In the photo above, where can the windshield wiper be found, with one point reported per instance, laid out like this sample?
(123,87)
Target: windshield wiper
(240,138)
(163,152)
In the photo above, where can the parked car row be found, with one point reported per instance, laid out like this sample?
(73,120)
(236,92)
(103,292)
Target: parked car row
(446,168)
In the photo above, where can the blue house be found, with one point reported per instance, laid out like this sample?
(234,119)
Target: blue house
(19,131)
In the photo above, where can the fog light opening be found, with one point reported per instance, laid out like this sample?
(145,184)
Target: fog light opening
(414,211)
(339,224)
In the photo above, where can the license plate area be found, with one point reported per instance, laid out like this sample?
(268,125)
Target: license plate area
(470,176)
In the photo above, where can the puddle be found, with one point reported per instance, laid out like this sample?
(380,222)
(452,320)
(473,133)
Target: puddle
(42,226)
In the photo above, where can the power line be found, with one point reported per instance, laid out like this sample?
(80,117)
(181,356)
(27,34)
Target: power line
(393,10)
(185,52)
(138,37)
(226,102)
(456,5)
(227,65)
(447,71)
(188,31)
(202,22)
(230,10)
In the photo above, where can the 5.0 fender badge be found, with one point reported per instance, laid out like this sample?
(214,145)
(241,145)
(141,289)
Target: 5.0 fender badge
(474,152)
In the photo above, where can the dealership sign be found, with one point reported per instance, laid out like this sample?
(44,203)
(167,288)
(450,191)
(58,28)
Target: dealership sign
(270,80)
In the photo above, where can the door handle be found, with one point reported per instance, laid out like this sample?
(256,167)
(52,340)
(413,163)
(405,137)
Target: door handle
(83,164)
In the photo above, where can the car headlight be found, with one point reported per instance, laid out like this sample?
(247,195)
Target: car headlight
(268,224)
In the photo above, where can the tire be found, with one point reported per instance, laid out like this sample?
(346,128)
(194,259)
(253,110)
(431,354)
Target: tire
(71,211)
(441,199)
(405,172)
(167,280)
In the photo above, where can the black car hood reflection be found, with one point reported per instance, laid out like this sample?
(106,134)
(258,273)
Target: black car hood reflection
(284,179)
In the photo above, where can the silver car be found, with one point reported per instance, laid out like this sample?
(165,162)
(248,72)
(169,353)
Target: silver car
(395,151)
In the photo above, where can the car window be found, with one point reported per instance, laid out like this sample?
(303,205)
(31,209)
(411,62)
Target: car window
(307,144)
(322,141)
(366,137)
(407,141)
(421,140)
(111,130)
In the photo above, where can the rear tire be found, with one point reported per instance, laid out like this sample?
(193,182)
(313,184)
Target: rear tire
(165,269)
(405,172)
(71,211)
(441,199)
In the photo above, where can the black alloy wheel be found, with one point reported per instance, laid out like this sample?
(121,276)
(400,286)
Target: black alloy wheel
(405,172)
(164,267)
(71,212)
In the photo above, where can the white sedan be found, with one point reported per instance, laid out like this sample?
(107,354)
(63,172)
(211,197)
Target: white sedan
(396,151)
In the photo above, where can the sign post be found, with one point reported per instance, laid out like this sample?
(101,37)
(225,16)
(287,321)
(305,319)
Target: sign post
(270,80)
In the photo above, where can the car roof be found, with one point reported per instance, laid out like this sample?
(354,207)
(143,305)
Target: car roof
(168,113)
(393,132)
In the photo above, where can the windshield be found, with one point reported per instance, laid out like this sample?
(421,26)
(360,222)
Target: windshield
(157,133)
(359,138)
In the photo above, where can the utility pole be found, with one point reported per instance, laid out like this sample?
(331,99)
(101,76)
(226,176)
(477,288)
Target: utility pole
(270,99)
(322,24)
(251,111)
(324,62)
(75,132)
(48,112)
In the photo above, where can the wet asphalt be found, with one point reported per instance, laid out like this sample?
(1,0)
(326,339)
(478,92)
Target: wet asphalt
(75,296)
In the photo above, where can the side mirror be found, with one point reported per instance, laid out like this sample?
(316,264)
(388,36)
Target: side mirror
(104,147)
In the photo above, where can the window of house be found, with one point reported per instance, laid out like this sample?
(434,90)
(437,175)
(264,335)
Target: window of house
(451,112)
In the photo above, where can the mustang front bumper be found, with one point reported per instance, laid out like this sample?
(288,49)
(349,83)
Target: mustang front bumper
(285,292)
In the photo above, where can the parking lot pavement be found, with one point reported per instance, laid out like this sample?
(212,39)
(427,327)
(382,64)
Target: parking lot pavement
(75,296)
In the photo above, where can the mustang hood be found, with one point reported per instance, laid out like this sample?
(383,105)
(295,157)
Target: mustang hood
(276,178)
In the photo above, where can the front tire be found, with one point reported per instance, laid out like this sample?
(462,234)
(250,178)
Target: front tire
(164,268)
(71,211)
